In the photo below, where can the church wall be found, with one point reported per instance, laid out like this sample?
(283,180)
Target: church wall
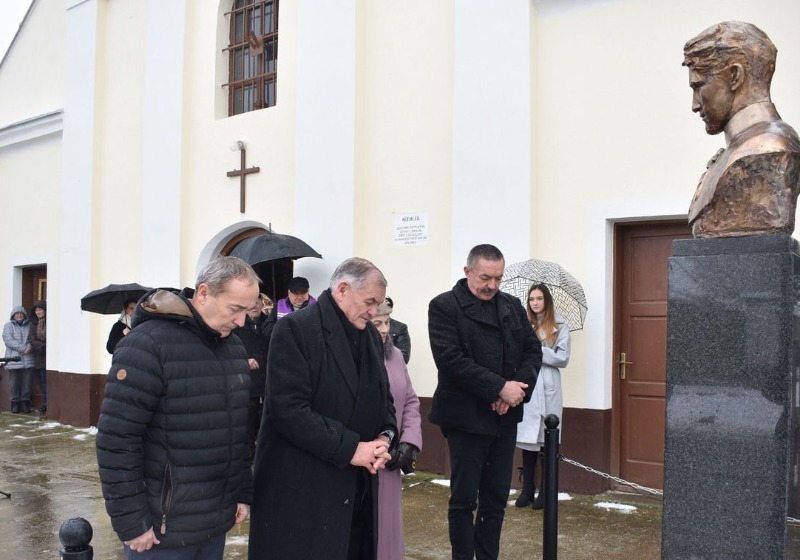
(117,203)
(210,199)
(32,74)
(71,278)
(325,135)
(617,140)
(30,222)
(404,157)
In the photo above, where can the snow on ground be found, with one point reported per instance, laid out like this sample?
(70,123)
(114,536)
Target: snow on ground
(608,506)
(441,482)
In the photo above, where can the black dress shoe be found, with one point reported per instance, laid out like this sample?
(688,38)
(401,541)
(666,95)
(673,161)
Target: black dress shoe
(25,407)
(15,407)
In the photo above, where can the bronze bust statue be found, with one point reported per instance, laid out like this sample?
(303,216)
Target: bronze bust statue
(751,186)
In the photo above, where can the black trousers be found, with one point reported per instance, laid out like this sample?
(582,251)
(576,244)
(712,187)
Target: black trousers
(362,528)
(481,479)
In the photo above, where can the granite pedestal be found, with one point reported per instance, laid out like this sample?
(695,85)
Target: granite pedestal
(732,331)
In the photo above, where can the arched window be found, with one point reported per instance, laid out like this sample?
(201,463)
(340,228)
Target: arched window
(253,55)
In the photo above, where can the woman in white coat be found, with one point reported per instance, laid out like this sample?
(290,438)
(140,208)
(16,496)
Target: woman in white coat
(547,397)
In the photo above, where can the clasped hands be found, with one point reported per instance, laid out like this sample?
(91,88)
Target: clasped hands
(372,455)
(512,394)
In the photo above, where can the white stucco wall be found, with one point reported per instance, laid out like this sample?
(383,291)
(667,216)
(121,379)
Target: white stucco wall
(32,74)
(616,138)
(404,138)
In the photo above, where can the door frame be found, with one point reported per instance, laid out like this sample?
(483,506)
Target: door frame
(616,412)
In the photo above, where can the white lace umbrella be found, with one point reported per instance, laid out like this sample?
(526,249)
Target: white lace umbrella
(568,297)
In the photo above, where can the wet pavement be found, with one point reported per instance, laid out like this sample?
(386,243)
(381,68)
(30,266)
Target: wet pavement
(51,473)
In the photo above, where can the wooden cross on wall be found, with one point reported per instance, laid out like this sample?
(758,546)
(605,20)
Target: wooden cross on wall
(242,174)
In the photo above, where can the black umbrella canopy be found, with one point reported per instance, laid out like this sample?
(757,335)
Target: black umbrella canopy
(109,300)
(272,246)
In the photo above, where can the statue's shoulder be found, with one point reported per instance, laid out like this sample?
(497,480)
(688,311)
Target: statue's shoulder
(764,138)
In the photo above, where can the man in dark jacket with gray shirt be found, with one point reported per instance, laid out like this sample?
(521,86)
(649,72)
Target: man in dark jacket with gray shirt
(488,358)
(172,429)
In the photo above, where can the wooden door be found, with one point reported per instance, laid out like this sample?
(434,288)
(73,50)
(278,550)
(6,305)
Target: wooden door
(34,285)
(640,335)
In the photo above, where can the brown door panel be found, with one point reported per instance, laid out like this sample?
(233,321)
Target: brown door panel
(640,324)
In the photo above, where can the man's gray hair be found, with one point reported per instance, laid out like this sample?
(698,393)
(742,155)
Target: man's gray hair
(222,270)
(356,272)
(486,252)
(732,42)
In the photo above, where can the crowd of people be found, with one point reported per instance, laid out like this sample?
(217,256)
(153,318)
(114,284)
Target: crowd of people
(221,404)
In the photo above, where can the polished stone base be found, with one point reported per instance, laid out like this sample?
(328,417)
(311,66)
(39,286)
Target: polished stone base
(732,329)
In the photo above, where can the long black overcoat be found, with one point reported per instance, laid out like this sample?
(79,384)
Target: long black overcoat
(318,408)
(475,357)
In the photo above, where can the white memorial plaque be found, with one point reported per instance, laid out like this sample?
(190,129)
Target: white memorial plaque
(411,229)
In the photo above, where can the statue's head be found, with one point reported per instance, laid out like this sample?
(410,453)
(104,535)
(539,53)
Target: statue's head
(730,67)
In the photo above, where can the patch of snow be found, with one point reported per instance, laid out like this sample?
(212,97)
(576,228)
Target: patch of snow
(91,430)
(241,540)
(441,482)
(80,437)
(564,497)
(49,426)
(608,506)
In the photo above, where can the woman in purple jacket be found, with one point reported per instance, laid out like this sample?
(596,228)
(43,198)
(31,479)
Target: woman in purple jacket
(391,545)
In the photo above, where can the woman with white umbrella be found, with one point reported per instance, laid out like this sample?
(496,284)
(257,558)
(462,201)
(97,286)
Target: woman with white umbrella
(547,397)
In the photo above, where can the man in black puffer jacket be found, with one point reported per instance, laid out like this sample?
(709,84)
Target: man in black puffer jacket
(171,435)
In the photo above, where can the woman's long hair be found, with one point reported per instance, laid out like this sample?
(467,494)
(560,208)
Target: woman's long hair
(546,328)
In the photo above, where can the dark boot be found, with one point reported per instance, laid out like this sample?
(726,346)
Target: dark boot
(14,407)
(526,473)
(25,407)
(538,503)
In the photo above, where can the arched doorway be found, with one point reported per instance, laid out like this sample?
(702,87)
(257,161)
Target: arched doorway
(275,275)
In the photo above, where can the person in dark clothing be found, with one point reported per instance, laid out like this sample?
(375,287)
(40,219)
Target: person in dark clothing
(488,358)
(255,342)
(297,298)
(328,426)
(37,337)
(123,325)
(171,435)
(398,332)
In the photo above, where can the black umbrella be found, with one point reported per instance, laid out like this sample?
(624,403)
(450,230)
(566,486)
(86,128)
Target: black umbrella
(109,300)
(272,246)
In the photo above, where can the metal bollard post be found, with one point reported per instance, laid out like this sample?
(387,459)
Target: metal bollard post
(75,535)
(550,486)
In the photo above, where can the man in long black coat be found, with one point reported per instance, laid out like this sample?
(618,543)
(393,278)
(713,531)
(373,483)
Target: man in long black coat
(488,358)
(328,425)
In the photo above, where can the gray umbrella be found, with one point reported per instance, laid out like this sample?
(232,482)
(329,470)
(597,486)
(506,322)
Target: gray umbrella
(109,300)
(272,246)
(568,297)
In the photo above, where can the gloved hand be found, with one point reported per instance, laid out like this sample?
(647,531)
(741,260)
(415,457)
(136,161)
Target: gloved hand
(404,457)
